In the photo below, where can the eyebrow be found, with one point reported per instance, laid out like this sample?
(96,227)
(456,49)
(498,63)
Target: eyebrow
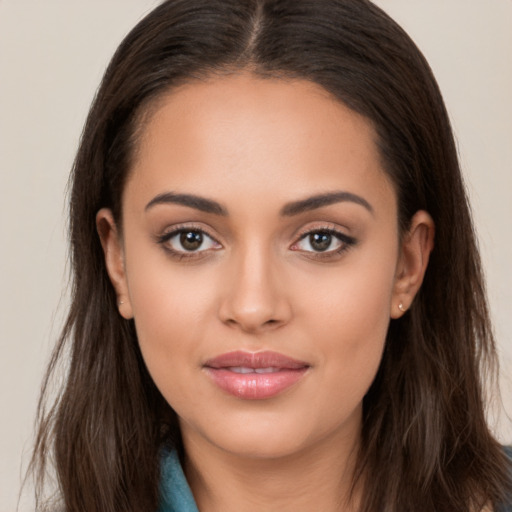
(290,209)
(190,200)
(320,200)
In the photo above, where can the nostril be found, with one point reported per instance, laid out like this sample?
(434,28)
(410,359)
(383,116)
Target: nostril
(254,308)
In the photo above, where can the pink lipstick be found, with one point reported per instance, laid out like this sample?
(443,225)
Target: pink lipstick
(255,376)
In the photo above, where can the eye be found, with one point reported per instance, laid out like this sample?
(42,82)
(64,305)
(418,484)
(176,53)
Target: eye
(188,241)
(324,241)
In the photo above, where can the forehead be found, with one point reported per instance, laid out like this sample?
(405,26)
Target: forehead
(252,135)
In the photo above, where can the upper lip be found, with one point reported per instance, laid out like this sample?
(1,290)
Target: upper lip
(267,359)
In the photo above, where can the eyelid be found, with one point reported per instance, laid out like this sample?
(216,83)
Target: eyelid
(347,241)
(184,226)
(328,227)
(175,230)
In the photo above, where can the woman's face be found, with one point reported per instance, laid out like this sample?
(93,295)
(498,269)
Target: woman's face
(261,261)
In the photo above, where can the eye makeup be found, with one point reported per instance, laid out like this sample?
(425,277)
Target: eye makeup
(188,242)
(193,242)
(324,240)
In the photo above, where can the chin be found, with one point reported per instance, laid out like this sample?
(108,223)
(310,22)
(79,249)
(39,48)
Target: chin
(262,447)
(271,435)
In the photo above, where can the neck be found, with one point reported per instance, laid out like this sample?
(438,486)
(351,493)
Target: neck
(317,478)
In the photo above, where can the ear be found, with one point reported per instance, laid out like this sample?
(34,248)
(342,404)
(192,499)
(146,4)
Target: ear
(114,259)
(415,249)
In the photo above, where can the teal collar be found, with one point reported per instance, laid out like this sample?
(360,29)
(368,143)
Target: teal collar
(175,494)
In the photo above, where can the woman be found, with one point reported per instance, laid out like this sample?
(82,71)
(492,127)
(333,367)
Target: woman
(273,308)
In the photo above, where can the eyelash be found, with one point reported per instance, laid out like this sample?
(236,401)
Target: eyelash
(164,240)
(346,243)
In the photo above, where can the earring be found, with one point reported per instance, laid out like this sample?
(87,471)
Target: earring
(120,302)
(401,307)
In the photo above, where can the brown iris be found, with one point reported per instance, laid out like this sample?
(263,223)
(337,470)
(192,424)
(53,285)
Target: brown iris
(320,241)
(191,240)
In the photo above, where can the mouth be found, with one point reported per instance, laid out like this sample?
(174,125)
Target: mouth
(255,375)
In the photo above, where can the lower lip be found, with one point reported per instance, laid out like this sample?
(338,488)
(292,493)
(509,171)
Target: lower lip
(255,386)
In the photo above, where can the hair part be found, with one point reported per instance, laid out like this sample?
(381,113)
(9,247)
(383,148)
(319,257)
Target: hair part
(424,414)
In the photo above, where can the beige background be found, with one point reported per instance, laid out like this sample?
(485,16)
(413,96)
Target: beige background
(52,55)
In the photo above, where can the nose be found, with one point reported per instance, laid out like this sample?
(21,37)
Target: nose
(254,299)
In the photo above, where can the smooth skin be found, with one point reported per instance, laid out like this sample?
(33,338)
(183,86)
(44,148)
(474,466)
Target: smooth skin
(247,264)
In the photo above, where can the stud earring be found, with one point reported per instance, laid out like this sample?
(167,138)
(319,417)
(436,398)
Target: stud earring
(120,302)
(401,307)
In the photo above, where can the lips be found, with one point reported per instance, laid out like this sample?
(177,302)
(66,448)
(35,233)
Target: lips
(255,376)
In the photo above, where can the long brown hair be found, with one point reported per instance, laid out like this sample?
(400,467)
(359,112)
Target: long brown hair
(426,445)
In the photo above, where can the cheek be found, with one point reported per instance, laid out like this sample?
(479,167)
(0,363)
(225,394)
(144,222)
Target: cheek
(171,308)
(349,316)
(169,325)
(168,302)
(354,298)
(163,295)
